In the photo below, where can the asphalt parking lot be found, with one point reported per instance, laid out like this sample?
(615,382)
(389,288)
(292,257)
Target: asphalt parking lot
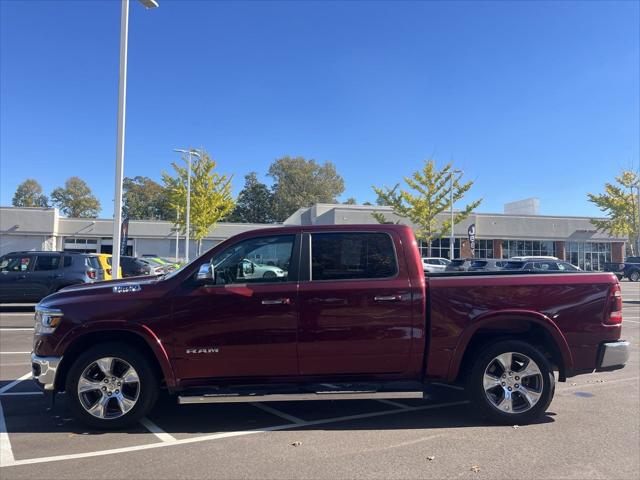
(592,430)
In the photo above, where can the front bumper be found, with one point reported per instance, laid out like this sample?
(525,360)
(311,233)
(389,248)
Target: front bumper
(44,370)
(613,355)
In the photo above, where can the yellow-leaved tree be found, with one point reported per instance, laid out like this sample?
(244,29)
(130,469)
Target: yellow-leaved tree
(620,204)
(211,198)
(427,195)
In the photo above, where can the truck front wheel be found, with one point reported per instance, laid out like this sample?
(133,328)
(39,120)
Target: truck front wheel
(111,386)
(511,382)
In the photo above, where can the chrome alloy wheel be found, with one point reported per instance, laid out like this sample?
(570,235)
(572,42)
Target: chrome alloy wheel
(108,388)
(513,382)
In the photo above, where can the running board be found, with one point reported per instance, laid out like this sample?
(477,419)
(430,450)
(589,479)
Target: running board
(296,397)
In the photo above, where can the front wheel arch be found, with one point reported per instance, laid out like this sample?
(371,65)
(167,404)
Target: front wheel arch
(80,345)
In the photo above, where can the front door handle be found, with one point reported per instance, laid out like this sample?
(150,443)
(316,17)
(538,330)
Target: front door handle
(277,301)
(387,298)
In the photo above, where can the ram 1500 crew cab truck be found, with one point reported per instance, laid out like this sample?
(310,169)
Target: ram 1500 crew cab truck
(352,316)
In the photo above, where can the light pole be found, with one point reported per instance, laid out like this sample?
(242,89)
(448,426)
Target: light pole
(452,239)
(188,217)
(122,104)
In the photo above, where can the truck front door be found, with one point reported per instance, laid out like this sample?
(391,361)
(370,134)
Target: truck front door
(356,307)
(241,325)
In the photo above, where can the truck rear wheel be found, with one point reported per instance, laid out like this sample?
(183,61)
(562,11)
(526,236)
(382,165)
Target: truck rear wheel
(511,382)
(111,386)
(635,276)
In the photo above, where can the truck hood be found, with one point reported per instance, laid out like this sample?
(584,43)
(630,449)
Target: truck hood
(131,284)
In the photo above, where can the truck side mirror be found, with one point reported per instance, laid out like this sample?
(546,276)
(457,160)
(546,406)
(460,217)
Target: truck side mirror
(205,273)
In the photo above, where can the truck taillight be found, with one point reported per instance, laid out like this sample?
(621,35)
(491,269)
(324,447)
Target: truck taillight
(614,316)
(91,274)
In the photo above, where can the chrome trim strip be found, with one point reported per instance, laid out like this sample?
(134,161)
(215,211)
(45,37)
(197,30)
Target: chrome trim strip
(326,395)
(48,370)
(614,353)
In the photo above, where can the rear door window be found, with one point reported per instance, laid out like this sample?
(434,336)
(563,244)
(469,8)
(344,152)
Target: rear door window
(47,262)
(19,263)
(350,256)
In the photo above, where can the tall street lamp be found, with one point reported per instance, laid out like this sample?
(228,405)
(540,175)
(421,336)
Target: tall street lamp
(188,217)
(122,103)
(452,238)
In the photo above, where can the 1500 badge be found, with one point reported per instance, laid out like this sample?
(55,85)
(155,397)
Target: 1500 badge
(202,350)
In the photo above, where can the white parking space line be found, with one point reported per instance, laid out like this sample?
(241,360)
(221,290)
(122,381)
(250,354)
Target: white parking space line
(630,321)
(392,403)
(16,329)
(13,353)
(6,454)
(157,431)
(9,386)
(16,314)
(277,412)
(217,436)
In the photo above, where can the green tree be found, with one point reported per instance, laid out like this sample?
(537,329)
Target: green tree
(76,199)
(620,204)
(350,201)
(29,194)
(428,195)
(145,199)
(299,182)
(211,198)
(254,203)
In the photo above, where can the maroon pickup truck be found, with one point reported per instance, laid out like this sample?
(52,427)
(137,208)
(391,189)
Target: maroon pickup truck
(321,312)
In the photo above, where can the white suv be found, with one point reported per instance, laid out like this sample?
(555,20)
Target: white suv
(435,264)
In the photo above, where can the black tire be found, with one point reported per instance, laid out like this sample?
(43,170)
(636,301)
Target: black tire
(544,383)
(269,274)
(147,392)
(635,276)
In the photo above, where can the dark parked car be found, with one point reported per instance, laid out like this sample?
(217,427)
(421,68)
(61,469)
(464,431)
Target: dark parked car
(541,265)
(31,276)
(630,268)
(135,267)
(486,265)
(458,265)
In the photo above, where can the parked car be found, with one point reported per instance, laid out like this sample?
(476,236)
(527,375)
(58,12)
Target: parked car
(541,265)
(252,270)
(105,265)
(629,269)
(458,265)
(533,257)
(163,261)
(434,264)
(486,265)
(350,319)
(134,267)
(31,276)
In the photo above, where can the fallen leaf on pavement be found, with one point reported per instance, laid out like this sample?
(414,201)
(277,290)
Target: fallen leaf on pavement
(296,444)
(431,458)
(475,468)
(515,427)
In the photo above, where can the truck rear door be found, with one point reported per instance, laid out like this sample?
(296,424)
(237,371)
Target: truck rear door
(355,304)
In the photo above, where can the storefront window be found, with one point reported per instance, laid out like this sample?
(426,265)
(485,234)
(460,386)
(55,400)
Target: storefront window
(588,255)
(440,248)
(521,248)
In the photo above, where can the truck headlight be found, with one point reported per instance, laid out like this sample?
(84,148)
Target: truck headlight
(47,320)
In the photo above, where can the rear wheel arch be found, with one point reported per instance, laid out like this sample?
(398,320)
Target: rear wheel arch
(532,330)
(89,340)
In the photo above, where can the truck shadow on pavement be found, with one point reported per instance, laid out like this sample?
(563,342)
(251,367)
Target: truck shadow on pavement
(29,414)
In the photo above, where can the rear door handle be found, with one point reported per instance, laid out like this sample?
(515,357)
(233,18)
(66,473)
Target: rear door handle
(387,298)
(277,301)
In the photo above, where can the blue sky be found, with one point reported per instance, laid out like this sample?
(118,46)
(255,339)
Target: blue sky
(530,99)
